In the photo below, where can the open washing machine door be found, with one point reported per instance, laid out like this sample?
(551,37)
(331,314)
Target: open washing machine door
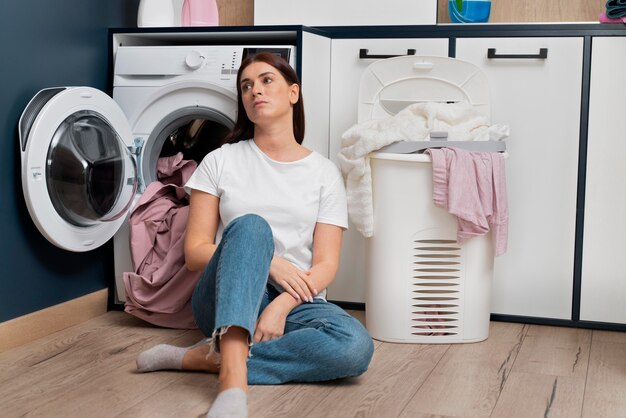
(79,176)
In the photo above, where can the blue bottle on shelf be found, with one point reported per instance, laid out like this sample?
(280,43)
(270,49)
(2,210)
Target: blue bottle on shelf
(471,11)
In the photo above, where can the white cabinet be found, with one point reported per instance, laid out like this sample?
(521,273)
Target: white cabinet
(346,70)
(315,75)
(604,241)
(540,99)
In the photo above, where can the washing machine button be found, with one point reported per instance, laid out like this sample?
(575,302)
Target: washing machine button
(194,60)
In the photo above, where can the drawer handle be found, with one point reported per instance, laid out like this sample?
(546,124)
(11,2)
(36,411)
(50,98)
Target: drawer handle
(543,54)
(364,54)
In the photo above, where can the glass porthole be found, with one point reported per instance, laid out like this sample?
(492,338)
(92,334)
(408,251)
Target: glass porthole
(90,174)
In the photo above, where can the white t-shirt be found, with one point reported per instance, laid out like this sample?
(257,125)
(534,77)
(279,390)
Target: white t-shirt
(291,196)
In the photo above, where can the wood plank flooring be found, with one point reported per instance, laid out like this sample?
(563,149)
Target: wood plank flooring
(520,371)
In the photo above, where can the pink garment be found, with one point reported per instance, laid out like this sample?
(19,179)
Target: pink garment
(605,19)
(159,291)
(472,186)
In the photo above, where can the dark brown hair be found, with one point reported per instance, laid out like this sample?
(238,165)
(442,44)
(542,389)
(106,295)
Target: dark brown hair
(244,128)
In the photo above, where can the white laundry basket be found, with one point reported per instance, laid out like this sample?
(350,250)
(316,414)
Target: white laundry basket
(422,286)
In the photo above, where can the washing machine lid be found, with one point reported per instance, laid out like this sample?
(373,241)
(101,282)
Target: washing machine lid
(390,85)
(79,176)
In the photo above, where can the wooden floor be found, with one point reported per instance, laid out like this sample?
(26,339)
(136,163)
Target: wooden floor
(519,371)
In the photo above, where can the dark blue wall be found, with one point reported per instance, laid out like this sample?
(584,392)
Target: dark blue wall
(47,43)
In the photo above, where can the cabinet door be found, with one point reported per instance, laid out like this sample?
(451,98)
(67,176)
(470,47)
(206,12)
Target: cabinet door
(315,74)
(540,100)
(604,246)
(346,70)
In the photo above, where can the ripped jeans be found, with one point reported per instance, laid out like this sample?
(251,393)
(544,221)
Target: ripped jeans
(320,342)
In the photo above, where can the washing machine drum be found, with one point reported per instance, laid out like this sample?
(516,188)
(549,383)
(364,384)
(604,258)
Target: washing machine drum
(78,174)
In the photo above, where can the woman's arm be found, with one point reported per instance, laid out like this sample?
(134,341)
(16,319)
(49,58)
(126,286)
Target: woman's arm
(326,247)
(306,284)
(201,229)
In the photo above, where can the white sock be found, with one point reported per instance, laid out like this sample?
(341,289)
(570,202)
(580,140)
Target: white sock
(164,357)
(231,403)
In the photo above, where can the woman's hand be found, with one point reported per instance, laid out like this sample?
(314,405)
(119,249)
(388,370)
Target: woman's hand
(271,322)
(295,281)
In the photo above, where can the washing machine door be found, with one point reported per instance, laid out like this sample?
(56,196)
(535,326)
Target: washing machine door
(79,175)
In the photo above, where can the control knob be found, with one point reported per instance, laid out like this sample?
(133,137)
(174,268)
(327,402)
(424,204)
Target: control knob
(194,60)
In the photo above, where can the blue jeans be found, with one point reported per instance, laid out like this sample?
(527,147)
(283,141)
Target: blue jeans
(320,342)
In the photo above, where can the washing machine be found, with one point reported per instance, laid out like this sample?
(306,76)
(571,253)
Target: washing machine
(86,157)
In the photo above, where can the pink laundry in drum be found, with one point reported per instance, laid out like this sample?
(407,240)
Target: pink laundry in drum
(200,13)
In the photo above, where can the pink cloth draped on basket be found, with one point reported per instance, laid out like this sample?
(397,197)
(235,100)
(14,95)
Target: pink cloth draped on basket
(472,186)
(159,290)
(605,19)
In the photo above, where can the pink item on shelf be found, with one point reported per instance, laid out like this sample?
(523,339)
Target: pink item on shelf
(200,13)
(605,19)
(472,186)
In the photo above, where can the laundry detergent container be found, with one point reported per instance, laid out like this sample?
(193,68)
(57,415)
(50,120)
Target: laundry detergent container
(422,286)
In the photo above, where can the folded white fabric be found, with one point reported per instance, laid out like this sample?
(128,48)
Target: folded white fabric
(414,123)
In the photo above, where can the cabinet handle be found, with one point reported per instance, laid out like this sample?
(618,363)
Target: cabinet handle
(364,54)
(543,54)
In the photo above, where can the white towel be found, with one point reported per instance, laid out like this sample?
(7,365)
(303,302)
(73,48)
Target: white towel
(414,123)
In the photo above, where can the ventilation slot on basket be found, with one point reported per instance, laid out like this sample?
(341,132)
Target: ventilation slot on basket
(435,287)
